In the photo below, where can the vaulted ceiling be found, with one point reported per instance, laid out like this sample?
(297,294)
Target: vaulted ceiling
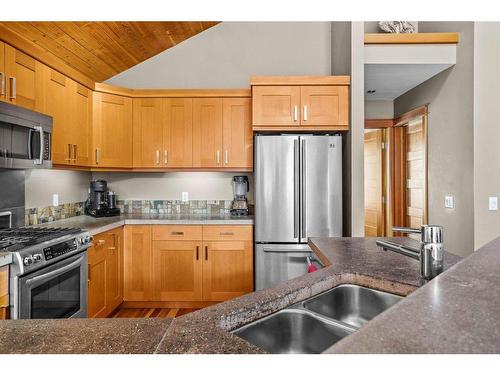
(100,50)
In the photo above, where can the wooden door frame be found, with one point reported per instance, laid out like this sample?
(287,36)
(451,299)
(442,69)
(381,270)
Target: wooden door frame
(396,148)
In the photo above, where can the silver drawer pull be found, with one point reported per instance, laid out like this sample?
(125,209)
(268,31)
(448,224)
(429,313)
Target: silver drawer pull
(226,233)
(13,87)
(177,233)
(2,83)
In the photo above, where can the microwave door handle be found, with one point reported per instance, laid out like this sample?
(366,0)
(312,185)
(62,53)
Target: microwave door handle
(30,139)
(40,159)
(38,279)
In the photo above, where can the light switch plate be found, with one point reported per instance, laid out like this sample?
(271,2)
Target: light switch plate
(493,203)
(55,200)
(185,196)
(449,202)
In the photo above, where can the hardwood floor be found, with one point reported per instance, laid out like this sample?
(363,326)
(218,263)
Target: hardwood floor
(149,313)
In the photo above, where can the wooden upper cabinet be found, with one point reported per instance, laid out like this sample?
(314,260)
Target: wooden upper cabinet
(80,124)
(56,103)
(237,135)
(148,133)
(23,79)
(177,271)
(137,263)
(324,105)
(3,78)
(207,133)
(276,105)
(178,133)
(112,131)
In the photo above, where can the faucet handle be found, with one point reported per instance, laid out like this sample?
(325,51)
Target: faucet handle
(432,234)
(406,230)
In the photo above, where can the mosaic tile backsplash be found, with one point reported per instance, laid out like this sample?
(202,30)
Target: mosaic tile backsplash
(40,215)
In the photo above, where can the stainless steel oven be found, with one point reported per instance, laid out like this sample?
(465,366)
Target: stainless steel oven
(55,291)
(25,138)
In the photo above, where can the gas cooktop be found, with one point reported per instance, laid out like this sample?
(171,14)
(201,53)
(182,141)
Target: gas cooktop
(16,239)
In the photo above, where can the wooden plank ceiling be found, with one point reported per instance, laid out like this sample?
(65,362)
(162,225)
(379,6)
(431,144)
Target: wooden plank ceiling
(101,50)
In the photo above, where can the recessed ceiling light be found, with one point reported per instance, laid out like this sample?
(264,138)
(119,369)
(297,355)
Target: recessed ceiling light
(371,91)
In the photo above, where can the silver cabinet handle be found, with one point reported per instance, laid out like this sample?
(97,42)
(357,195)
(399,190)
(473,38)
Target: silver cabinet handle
(305,113)
(295,113)
(13,88)
(165,156)
(75,151)
(2,83)
(97,155)
(157,156)
(218,156)
(226,157)
(69,153)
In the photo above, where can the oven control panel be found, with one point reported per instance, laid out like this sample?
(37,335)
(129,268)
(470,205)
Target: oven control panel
(55,251)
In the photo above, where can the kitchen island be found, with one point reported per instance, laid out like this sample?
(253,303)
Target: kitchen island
(436,318)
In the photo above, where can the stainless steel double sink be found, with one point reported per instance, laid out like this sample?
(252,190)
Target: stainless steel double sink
(313,325)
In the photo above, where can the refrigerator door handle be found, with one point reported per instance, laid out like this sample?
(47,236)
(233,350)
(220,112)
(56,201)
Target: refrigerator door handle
(296,188)
(303,167)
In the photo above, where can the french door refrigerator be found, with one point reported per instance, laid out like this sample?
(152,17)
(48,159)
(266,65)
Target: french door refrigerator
(298,194)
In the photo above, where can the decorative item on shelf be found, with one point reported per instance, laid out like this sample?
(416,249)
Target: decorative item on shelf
(396,27)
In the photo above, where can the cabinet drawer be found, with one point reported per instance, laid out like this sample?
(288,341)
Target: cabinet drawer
(177,232)
(227,232)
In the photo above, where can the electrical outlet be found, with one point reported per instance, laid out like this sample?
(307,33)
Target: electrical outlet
(185,196)
(493,203)
(55,200)
(449,202)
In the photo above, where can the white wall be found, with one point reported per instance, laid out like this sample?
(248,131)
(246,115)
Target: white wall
(169,186)
(486,130)
(40,184)
(228,54)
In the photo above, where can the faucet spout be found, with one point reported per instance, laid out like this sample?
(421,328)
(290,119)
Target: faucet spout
(400,249)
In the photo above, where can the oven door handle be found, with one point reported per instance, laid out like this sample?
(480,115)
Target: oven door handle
(56,272)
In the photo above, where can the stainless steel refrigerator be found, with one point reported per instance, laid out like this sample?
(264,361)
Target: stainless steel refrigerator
(298,194)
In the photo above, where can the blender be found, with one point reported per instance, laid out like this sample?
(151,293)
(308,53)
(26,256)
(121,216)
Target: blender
(239,206)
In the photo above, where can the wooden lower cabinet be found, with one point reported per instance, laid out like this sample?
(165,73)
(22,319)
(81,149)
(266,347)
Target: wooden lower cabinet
(105,273)
(174,263)
(4,292)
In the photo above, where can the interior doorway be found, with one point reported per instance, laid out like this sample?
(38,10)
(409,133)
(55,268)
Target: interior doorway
(396,172)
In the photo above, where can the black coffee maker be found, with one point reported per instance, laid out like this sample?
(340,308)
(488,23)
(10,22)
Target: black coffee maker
(101,202)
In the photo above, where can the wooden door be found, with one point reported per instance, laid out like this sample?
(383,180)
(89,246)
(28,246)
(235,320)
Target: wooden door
(4,292)
(80,129)
(374,193)
(324,105)
(137,259)
(96,291)
(178,133)
(114,269)
(56,103)
(148,133)
(276,105)
(416,173)
(237,136)
(3,77)
(112,131)
(207,132)
(177,271)
(227,269)
(23,79)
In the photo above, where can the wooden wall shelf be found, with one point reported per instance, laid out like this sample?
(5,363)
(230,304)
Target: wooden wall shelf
(415,38)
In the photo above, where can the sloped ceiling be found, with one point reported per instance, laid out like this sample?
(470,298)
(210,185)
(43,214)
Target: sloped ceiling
(101,50)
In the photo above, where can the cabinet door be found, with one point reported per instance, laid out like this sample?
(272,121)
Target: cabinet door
(80,129)
(112,130)
(227,269)
(178,133)
(4,292)
(96,291)
(148,133)
(276,105)
(237,136)
(56,102)
(137,259)
(324,105)
(23,79)
(3,77)
(177,271)
(207,132)
(114,267)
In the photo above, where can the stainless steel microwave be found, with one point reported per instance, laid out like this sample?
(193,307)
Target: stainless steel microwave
(25,138)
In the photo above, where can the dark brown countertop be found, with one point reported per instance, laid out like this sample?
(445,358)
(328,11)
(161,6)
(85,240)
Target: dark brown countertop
(447,301)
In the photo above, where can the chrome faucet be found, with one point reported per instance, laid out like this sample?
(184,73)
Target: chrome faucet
(431,249)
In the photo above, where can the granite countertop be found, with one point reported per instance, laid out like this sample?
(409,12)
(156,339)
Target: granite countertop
(457,312)
(98,225)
